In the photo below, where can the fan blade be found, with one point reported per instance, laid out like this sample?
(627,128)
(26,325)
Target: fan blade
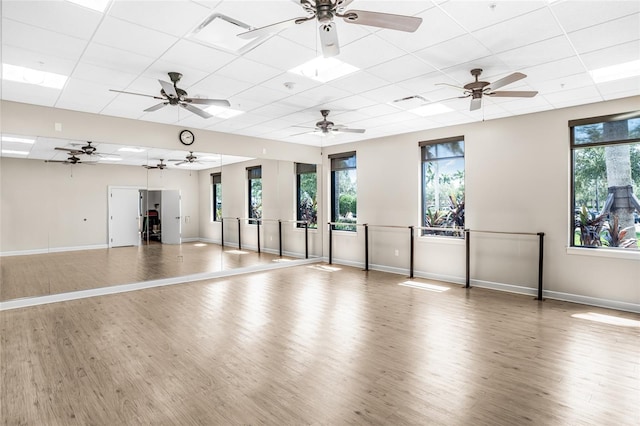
(137,94)
(269,29)
(156,107)
(70,150)
(149,167)
(202,113)
(382,20)
(200,101)
(512,78)
(168,88)
(451,85)
(476,103)
(513,94)
(347,130)
(329,40)
(341,4)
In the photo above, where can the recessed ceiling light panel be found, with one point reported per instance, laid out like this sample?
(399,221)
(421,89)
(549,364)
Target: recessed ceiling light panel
(616,72)
(31,76)
(324,69)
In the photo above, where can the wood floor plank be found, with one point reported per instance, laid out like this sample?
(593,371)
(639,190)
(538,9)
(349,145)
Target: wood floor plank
(318,346)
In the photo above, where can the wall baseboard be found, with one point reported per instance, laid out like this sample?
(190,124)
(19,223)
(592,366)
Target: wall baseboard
(52,250)
(510,288)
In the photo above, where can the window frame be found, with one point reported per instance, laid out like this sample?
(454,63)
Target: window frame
(423,196)
(301,169)
(573,147)
(216,182)
(253,173)
(335,214)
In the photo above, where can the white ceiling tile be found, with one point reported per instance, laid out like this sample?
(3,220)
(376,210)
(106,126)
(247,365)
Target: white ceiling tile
(575,15)
(250,71)
(198,56)
(133,38)
(466,49)
(605,35)
(294,83)
(108,77)
(35,39)
(369,51)
(436,27)
(402,68)
(29,93)
(541,52)
(37,60)
(387,93)
(358,82)
(474,15)
(568,82)
(552,70)
(619,54)
(172,17)
(354,102)
(116,59)
(573,97)
(62,17)
(532,27)
(82,95)
(620,88)
(325,93)
(219,87)
(280,53)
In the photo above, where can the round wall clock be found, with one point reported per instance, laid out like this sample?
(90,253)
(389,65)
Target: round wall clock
(186,137)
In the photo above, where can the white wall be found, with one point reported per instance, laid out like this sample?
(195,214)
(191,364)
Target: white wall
(54,206)
(279,202)
(517,179)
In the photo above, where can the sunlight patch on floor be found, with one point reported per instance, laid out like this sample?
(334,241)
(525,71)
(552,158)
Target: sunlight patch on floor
(608,319)
(324,268)
(425,286)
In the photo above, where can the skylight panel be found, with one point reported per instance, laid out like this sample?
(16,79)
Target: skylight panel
(324,69)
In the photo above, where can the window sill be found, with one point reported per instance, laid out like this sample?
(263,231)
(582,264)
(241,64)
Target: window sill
(604,252)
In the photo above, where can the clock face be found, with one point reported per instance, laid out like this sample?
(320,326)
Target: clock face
(186,137)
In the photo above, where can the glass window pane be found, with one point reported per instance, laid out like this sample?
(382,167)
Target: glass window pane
(607,132)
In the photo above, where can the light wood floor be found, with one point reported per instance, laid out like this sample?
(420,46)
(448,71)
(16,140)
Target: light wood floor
(317,345)
(53,273)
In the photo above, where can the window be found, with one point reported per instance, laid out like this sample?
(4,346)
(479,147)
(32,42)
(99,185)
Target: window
(254,175)
(605,169)
(306,191)
(216,196)
(443,185)
(343,190)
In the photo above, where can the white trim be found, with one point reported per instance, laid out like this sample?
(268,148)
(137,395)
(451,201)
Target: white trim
(509,288)
(83,294)
(52,250)
(604,252)
(190,240)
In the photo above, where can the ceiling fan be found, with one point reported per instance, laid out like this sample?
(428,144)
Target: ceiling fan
(171,94)
(161,165)
(327,127)
(73,159)
(477,89)
(325,10)
(88,149)
(189,159)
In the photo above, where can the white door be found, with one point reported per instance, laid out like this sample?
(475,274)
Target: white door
(124,217)
(170,217)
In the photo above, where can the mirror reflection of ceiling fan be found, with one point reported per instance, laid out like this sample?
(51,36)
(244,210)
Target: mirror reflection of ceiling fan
(161,165)
(477,89)
(327,127)
(87,149)
(73,159)
(171,94)
(189,159)
(325,10)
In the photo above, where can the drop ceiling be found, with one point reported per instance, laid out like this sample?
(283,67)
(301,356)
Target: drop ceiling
(133,44)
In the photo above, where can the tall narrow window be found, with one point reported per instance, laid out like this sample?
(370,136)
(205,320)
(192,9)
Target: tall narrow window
(306,192)
(216,196)
(605,168)
(343,191)
(443,185)
(254,176)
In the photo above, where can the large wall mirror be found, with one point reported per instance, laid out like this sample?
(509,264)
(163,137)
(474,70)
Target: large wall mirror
(79,216)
